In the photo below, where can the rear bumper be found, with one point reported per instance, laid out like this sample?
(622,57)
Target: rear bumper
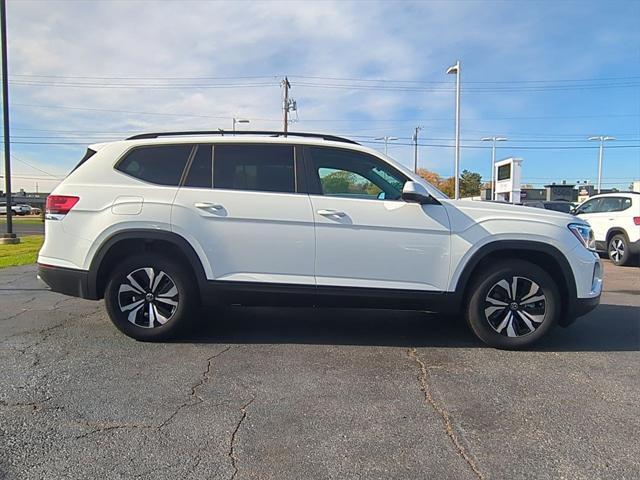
(68,281)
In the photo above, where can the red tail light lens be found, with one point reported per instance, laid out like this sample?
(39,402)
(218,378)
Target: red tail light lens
(60,204)
(636,220)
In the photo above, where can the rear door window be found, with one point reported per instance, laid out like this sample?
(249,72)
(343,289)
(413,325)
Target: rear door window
(266,168)
(159,164)
(201,171)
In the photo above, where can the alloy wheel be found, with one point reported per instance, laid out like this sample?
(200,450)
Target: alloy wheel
(515,306)
(616,250)
(149,297)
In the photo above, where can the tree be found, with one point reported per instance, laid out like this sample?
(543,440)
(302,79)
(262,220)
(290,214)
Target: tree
(470,183)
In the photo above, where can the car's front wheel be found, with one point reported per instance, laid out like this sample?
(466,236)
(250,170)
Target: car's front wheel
(151,298)
(512,304)
(618,249)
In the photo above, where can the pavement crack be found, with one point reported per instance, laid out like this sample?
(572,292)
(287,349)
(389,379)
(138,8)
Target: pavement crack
(423,378)
(232,442)
(194,397)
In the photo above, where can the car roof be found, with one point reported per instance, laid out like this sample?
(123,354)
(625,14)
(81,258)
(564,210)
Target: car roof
(615,194)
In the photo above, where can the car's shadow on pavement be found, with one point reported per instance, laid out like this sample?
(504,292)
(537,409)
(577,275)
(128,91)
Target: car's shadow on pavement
(608,328)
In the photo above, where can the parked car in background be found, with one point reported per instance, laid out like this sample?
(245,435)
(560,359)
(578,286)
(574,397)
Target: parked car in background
(615,219)
(16,209)
(558,205)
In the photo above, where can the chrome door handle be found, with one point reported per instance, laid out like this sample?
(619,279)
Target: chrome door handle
(208,206)
(331,213)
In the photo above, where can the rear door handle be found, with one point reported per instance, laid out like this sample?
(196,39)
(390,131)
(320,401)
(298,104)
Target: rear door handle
(208,206)
(331,213)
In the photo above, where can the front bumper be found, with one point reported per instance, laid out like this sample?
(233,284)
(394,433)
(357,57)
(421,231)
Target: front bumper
(68,281)
(581,305)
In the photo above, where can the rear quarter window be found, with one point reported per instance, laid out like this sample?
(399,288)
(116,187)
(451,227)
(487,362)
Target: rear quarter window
(159,164)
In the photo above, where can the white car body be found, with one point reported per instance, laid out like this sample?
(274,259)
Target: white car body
(612,214)
(244,238)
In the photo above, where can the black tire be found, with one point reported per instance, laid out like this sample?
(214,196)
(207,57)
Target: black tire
(618,250)
(534,308)
(121,293)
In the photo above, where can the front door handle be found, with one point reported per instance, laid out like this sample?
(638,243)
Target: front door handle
(208,206)
(331,213)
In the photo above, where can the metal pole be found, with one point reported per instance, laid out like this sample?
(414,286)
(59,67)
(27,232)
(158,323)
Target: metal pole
(386,143)
(415,150)
(600,162)
(493,168)
(457,159)
(286,105)
(234,124)
(5,116)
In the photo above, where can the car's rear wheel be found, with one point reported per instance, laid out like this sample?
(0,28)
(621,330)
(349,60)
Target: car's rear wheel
(512,304)
(618,249)
(151,298)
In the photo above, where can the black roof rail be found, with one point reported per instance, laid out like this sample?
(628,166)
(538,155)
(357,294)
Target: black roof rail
(222,133)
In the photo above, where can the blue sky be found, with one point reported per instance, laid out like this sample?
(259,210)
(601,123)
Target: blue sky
(544,74)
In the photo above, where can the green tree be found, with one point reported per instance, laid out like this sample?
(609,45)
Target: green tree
(470,183)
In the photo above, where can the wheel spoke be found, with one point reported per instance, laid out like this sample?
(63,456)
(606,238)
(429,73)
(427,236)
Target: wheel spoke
(510,327)
(514,286)
(173,291)
(151,274)
(504,322)
(128,307)
(135,284)
(504,284)
(533,300)
(134,313)
(535,318)
(151,314)
(168,301)
(495,302)
(526,321)
(532,291)
(161,318)
(157,282)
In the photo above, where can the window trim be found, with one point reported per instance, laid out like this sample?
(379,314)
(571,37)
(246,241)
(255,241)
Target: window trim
(315,186)
(126,153)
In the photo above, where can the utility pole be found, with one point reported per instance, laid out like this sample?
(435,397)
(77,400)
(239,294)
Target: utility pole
(493,139)
(601,139)
(455,69)
(415,149)
(9,237)
(287,104)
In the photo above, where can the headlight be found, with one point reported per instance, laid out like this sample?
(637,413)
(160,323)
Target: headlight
(584,233)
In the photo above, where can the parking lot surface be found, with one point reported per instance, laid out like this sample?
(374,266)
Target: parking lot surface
(302,393)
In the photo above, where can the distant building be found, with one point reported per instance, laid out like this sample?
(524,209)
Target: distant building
(26,198)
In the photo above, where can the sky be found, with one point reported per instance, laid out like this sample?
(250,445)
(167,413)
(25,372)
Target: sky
(544,74)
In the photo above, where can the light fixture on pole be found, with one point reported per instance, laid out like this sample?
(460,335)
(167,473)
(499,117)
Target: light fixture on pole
(493,139)
(415,149)
(239,120)
(601,139)
(386,139)
(455,69)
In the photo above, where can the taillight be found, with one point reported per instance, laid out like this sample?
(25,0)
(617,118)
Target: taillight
(636,220)
(59,205)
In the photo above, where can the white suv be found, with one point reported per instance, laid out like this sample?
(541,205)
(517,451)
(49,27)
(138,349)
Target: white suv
(615,219)
(160,224)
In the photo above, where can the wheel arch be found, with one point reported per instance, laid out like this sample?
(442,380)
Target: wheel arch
(615,231)
(544,255)
(122,244)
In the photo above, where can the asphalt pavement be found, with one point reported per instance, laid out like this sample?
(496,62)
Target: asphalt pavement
(312,394)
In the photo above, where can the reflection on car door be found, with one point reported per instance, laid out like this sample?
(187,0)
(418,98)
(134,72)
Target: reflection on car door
(366,236)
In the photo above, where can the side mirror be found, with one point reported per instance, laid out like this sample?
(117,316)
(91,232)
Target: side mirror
(413,192)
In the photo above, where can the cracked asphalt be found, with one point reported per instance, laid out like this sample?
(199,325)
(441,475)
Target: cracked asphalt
(300,393)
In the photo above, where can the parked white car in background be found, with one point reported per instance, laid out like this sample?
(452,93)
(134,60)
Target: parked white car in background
(615,219)
(16,209)
(159,224)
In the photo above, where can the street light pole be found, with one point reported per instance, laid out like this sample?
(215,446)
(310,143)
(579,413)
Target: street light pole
(493,139)
(455,69)
(415,149)
(601,139)
(239,120)
(387,139)
(9,237)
